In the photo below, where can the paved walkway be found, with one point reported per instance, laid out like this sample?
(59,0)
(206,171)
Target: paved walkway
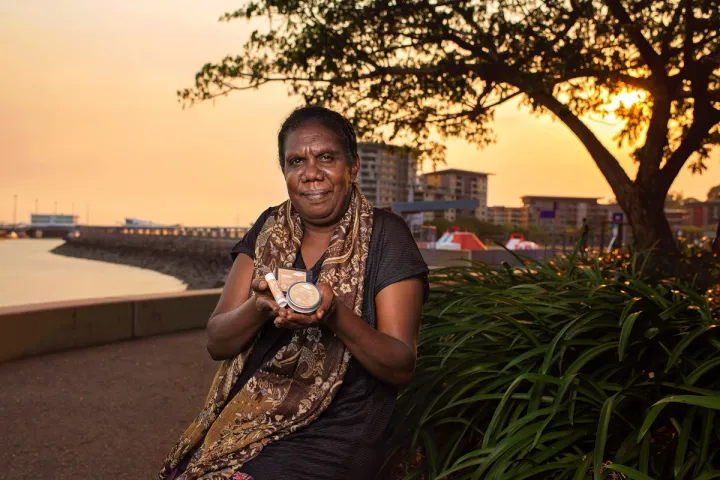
(104,412)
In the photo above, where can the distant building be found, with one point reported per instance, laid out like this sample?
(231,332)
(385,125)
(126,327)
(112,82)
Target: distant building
(501,215)
(430,193)
(53,220)
(676,217)
(562,211)
(457,184)
(703,214)
(607,211)
(387,174)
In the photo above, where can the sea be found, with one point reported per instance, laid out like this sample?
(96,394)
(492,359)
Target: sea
(30,273)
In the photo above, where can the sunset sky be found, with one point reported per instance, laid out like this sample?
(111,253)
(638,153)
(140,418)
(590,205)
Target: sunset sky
(88,115)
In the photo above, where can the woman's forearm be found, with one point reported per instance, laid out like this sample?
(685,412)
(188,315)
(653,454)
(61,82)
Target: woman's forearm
(386,358)
(230,332)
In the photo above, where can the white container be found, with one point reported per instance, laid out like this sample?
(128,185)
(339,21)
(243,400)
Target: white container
(276,290)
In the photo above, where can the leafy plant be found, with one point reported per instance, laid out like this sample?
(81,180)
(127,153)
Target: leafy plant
(570,370)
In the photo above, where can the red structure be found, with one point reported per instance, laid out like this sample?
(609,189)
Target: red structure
(457,240)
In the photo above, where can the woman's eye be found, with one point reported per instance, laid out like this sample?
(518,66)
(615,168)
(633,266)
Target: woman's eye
(294,161)
(326,157)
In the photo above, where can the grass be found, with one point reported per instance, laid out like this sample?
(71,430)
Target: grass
(570,370)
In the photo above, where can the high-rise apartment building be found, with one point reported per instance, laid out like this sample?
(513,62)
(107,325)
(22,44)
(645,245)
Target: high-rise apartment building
(387,174)
(425,192)
(461,184)
(502,215)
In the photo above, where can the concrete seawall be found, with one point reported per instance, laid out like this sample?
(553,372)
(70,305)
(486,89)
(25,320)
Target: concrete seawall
(50,327)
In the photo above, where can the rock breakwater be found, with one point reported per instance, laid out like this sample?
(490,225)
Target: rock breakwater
(198,262)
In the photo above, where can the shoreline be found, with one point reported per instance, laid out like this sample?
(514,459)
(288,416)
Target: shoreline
(198,263)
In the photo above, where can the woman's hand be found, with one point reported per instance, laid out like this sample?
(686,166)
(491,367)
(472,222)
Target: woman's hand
(238,317)
(287,318)
(264,300)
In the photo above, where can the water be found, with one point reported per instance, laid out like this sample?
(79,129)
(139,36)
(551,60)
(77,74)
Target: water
(29,273)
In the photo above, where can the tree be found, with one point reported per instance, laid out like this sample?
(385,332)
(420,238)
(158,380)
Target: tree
(403,70)
(674,200)
(714,193)
(678,200)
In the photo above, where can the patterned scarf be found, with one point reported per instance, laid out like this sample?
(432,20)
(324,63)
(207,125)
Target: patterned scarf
(298,384)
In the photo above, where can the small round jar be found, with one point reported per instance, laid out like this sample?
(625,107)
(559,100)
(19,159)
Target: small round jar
(304,297)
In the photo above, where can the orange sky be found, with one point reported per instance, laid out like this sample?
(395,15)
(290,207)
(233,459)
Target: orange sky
(88,115)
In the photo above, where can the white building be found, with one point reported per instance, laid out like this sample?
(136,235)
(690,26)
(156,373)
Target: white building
(53,220)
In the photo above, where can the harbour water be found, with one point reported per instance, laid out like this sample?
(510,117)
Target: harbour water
(29,273)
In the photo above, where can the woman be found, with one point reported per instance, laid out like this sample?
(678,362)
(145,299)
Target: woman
(310,396)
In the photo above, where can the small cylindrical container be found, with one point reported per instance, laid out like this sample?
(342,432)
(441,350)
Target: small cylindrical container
(276,290)
(304,297)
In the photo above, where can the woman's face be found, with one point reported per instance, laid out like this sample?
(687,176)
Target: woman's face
(317,173)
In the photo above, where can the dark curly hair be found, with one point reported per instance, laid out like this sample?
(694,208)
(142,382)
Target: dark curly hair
(329,119)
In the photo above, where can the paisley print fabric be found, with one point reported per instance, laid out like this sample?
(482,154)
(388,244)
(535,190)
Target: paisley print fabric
(298,384)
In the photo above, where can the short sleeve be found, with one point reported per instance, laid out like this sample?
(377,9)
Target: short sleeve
(246,245)
(397,256)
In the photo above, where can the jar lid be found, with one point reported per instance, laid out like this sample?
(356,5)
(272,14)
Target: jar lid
(304,297)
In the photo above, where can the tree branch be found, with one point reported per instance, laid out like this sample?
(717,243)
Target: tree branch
(651,57)
(673,25)
(688,46)
(606,162)
(655,141)
(698,131)
(636,82)
(572,21)
(467,16)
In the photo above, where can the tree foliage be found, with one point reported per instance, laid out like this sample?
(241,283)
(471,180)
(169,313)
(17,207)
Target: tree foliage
(714,193)
(405,69)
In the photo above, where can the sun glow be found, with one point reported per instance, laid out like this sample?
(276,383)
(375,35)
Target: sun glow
(625,99)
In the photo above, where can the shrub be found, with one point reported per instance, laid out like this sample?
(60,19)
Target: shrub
(565,371)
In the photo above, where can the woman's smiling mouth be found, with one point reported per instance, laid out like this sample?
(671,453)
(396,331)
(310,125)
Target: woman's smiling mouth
(316,195)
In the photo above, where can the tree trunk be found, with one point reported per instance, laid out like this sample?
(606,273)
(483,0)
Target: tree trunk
(646,214)
(716,242)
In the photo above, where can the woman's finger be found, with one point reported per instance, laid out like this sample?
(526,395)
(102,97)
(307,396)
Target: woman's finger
(259,285)
(303,319)
(285,323)
(328,296)
(267,304)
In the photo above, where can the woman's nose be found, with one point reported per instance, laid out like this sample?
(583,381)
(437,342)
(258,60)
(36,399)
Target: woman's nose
(312,172)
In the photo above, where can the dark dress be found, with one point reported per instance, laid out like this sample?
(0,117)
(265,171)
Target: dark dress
(347,441)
